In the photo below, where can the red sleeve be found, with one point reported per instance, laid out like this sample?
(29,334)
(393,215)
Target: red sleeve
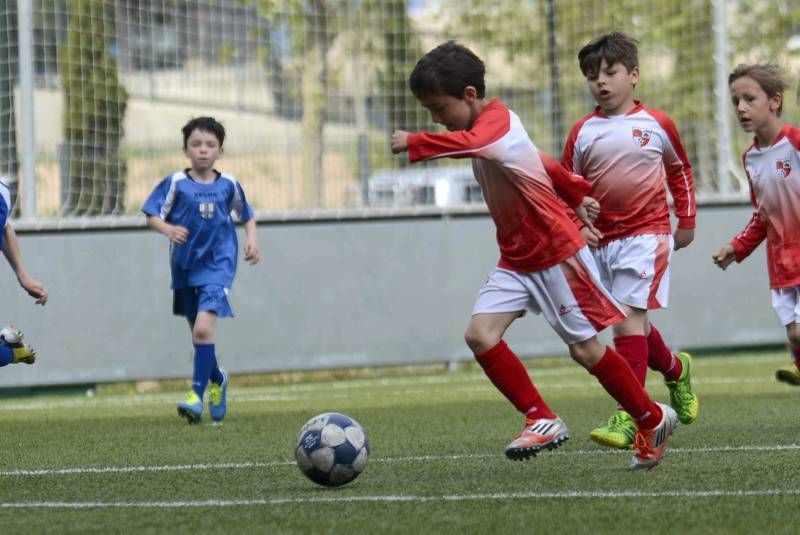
(753,234)
(569,186)
(680,179)
(492,124)
(793,134)
(568,156)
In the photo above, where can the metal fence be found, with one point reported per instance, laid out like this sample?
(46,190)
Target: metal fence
(93,93)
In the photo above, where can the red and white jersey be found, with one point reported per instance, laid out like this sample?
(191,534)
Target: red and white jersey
(626,159)
(774,176)
(519,185)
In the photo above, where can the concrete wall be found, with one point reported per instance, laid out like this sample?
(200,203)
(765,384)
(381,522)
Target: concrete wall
(331,294)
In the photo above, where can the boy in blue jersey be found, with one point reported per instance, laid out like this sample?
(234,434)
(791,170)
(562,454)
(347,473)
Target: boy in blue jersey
(12,348)
(193,209)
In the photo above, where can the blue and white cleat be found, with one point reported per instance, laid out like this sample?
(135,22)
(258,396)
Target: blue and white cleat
(21,352)
(218,398)
(191,408)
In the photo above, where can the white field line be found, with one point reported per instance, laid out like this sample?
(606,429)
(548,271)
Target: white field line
(564,495)
(413,458)
(482,388)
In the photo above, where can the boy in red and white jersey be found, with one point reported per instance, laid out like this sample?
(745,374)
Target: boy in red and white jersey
(772,164)
(626,151)
(545,266)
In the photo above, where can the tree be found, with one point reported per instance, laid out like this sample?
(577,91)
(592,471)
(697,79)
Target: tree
(94,110)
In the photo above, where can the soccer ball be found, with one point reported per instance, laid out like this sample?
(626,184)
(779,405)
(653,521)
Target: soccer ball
(332,449)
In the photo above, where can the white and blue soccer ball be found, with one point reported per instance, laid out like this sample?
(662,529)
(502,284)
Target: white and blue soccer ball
(332,449)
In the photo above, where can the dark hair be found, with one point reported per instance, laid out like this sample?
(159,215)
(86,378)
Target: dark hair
(768,76)
(614,47)
(206,124)
(448,69)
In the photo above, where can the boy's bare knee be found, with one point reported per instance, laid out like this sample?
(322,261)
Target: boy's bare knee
(478,340)
(579,354)
(587,353)
(202,335)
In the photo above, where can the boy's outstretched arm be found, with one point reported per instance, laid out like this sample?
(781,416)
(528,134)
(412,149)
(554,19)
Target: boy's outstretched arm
(399,141)
(14,256)
(251,251)
(175,233)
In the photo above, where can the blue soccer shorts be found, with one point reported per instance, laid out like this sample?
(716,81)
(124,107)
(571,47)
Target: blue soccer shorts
(209,298)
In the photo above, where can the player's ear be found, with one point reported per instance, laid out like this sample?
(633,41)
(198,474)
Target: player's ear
(775,103)
(634,75)
(470,94)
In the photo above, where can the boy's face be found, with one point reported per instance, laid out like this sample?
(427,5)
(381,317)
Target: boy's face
(754,108)
(612,87)
(451,112)
(202,149)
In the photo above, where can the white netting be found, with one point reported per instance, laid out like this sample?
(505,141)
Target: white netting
(310,90)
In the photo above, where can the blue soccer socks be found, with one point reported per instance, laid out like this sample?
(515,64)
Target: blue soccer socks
(204,362)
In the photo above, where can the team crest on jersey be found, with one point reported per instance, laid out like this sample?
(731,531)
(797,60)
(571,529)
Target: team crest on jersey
(784,168)
(206,210)
(641,136)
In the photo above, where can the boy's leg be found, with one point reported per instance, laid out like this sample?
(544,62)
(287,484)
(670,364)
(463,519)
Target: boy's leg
(214,303)
(637,272)
(786,302)
(655,422)
(630,342)
(587,307)
(6,355)
(501,365)
(500,301)
(677,371)
(790,374)
(13,348)
(660,358)
(204,360)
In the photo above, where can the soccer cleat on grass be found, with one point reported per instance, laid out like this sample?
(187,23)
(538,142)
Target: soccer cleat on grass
(650,443)
(681,397)
(537,435)
(13,338)
(218,398)
(617,433)
(191,408)
(788,374)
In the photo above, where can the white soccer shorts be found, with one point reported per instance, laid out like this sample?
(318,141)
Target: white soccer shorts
(636,269)
(569,295)
(786,302)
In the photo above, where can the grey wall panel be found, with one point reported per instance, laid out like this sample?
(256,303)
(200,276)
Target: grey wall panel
(331,294)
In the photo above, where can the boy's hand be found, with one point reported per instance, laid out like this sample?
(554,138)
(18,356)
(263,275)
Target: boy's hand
(589,235)
(399,141)
(251,252)
(683,237)
(724,256)
(34,288)
(592,207)
(178,234)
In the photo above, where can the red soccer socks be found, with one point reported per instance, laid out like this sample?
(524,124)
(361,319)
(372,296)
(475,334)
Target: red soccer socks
(510,376)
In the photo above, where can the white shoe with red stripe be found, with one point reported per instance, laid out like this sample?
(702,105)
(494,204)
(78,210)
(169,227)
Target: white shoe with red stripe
(651,443)
(538,434)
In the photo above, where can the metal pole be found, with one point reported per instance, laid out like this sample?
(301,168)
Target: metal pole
(555,111)
(28,149)
(721,58)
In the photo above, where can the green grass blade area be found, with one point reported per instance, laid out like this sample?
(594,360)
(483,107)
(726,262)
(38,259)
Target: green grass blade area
(125,463)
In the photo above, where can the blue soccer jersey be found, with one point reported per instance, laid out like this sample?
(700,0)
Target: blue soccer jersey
(210,252)
(5,209)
